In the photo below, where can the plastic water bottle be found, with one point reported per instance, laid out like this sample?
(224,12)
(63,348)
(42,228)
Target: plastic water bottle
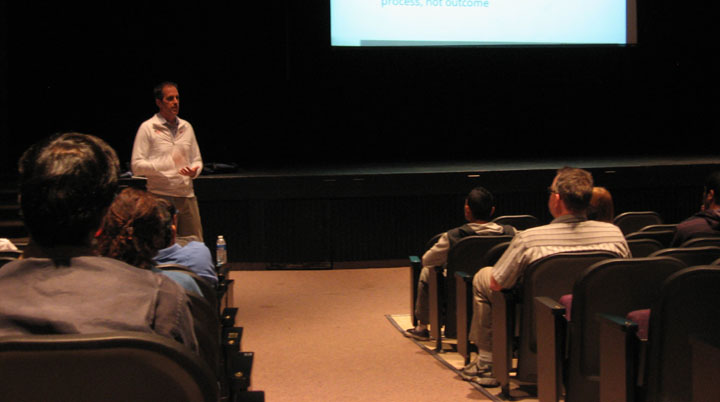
(221,251)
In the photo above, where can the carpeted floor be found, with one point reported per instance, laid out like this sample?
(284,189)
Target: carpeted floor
(332,335)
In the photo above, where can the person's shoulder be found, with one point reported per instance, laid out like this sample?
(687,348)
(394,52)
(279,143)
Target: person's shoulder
(197,245)
(124,272)
(107,263)
(182,279)
(600,225)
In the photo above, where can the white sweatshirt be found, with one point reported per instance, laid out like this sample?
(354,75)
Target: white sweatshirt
(158,155)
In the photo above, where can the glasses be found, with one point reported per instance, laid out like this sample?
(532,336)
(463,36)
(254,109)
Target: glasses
(551,190)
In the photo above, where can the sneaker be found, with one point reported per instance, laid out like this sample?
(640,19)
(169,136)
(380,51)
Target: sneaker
(421,335)
(476,367)
(485,380)
(479,372)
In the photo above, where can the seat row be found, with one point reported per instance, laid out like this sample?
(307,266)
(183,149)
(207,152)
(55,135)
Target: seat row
(531,323)
(137,366)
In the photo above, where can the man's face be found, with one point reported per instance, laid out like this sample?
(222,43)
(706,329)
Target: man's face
(169,105)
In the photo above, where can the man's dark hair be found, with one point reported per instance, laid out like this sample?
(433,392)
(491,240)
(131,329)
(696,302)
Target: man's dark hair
(575,187)
(66,183)
(712,182)
(158,89)
(481,203)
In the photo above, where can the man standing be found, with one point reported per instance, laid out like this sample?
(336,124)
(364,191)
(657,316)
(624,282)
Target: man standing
(167,154)
(569,231)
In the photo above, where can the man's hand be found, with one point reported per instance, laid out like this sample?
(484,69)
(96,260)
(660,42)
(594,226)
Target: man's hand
(188,171)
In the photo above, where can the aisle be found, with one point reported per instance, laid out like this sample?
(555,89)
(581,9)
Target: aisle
(324,336)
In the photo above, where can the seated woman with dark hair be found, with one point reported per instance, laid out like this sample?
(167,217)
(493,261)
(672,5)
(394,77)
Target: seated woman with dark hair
(135,227)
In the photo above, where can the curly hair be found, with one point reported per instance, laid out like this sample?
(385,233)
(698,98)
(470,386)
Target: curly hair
(135,227)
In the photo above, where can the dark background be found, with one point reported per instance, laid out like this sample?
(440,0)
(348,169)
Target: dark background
(263,88)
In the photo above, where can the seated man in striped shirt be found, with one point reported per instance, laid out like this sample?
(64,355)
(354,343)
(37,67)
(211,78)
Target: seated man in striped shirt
(570,230)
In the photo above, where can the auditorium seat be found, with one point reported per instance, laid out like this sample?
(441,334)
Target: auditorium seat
(663,236)
(704,240)
(633,221)
(209,292)
(224,288)
(643,247)
(519,222)
(687,309)
(613,286)
(464,295)
(220,339)
(415,268)
(551,276)
(662,226)
(691,256)
(119,366)
(466,255)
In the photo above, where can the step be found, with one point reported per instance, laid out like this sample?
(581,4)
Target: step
(9,212)
(13,229)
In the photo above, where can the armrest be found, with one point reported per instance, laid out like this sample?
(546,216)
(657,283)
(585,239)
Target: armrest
(227,318)
(618,358)
(463,312)
(435,280)
(464,276)
(231,338)
(240,371)
(415,268)
(224,291)
(551,330)
(503,329)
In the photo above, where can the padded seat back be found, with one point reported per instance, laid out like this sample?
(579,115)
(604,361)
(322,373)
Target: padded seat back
(209,292)
(633,221)
(122,366)
(691,256)
(519,222)
(551,276)
(466,255)
(614,286)
(703,240)
(688,307)
(665,237)
(643,247)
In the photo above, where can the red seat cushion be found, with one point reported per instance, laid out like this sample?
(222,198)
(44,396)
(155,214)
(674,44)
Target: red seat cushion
(566,301)
(642,318)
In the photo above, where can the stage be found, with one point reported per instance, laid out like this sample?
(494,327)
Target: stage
(325,217)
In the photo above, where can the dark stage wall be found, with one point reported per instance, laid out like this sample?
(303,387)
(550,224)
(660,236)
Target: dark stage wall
(263,89)
(331,217)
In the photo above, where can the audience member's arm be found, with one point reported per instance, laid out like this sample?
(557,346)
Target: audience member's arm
(173,318)
(195,157)
(506,271)
(203,262)
(437,255)
(142,162)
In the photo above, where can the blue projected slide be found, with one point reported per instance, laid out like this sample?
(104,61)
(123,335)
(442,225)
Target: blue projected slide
(481,22)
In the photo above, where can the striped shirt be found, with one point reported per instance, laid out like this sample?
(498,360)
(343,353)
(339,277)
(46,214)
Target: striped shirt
(567,233)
